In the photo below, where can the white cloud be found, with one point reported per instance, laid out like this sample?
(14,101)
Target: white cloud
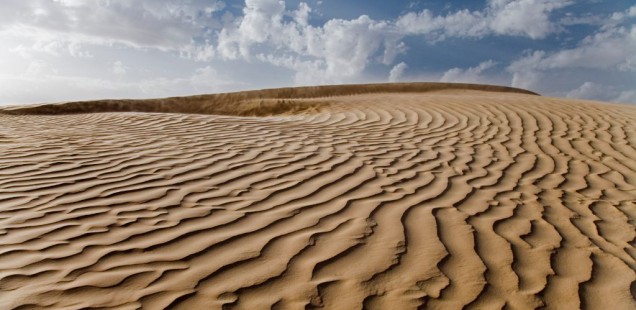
(52,86)
(335,52)
(54,44)
(596,91)
(619,17)
(610,49)
(166,25)
(307,72)
(626,96)
(392,48)
(524,17)
(52,47)
(460,24)
(530,18)
(470,75)
(599,67)
(340,50)
(118,68)
(301,16)
(588,90)
(198,52)
(203,80)
(607,21)
(588,19)
(397,71)
(347,46)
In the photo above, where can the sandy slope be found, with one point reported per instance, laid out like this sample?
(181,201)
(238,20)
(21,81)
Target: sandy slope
(387,199)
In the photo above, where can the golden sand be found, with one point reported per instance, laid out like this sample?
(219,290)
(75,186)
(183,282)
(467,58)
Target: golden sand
(397,196)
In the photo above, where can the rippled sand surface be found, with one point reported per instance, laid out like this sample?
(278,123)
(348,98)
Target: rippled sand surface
(378,200)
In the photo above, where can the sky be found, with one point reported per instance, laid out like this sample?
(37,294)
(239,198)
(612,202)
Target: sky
(65,50)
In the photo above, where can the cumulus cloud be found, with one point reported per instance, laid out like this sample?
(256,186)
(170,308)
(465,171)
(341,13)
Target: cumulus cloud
(337,51)
(460,24)
(588,90)
(612,48)
(340,50)
(626,96)
(600,67)
(525,17)
(292,42)
(598,91)
(529,18)
(397,71)
(469,75)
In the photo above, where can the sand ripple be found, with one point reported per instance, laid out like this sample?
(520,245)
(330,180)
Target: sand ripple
(440,200)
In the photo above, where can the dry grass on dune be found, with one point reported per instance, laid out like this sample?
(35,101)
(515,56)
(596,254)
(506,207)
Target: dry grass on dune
(392,197)
(186,105)
(247,103)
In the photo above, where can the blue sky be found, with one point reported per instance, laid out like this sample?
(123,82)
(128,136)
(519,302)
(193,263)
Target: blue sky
(61,50)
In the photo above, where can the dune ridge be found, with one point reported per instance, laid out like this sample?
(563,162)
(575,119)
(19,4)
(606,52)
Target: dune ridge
(263,102)
(463,198)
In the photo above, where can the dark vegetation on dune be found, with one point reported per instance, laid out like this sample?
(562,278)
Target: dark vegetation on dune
(247,103)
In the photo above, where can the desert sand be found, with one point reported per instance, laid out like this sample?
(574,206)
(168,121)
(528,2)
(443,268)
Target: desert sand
(400,196)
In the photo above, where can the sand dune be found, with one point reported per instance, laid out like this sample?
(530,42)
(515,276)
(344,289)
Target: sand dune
(400,196)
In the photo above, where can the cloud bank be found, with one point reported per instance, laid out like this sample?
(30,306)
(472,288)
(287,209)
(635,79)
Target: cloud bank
(117,48)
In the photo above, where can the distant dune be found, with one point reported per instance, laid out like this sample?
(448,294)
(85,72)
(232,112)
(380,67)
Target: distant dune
(380,196)
(264,102)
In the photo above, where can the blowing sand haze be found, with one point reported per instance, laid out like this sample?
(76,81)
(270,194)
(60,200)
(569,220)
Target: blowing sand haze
(398,196)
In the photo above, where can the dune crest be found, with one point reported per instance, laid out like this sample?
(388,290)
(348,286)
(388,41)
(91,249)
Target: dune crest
(478,198)
(265,102)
